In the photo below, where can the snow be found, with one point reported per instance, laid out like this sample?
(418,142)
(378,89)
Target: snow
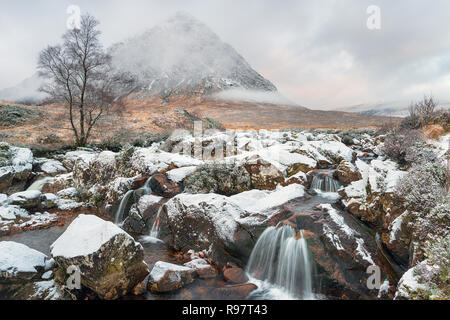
(409,283)
(38,219)
(395,227)
(197,264)
(47,275)
(147,200)
(46,290)
(24,196)
(84,236)
(384,288)
(216,208)
(52,167)
(68,193)
(3,199)
(22,158)
(338,219)
(12,212)
(68,204)
(259,201)
(161,267)
(177,175)
(18,258)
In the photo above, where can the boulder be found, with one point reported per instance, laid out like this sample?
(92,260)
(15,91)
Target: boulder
(346,172)
(26,199)
(235,275)
(263,174)
(58,183)
(166,277)
(162,186)
(21,273)
(208,222)
(49,167)
(97,169)
(225,179)
(110,261)
(142,214)
(236,292)
(203,269)
(16,166)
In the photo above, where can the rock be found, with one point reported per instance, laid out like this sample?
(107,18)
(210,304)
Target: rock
(110,261)
(60,182)
(69,193)
(203,269)
(162,186)
(3,199)
(26,199)
(346,172)
(263,174)
(236,292)
(71,157)
(207,222)
(21,273)
(20,263)
(50,167)
(177,175)
(166,277)
(49,201)
(16,166)
(235,275)
(142,214)
(94,169)
(225,179)
(8,212)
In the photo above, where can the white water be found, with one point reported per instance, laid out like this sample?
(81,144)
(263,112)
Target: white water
(37,185)
(154,231)
(281,263)
(123,203)
(324,183)
(121,210)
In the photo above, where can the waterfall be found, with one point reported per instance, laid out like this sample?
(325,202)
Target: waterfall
(154,231)
(121,210)
(120,213)
(281,257)
(325,183)
(37,185)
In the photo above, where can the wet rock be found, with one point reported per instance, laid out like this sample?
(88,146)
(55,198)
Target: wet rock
(235,275)
(110,261)
(346,172)
(162,186)
(166,277)
(142,214)
(203,269)
(236,292)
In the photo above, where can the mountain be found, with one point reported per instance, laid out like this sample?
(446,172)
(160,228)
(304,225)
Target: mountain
(183,55)
(389,109)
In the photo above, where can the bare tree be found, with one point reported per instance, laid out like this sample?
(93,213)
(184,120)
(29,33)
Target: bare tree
(425,109)
(82,77)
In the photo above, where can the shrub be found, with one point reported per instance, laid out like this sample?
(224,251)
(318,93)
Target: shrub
(424,186)
(398,142)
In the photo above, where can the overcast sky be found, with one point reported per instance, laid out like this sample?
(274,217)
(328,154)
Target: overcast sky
(319,53)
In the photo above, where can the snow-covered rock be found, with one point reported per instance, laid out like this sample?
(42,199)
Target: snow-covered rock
(166,277)
(26,199)
(110,261)
(17,261)
(16,165)
(52,167)
(178,175)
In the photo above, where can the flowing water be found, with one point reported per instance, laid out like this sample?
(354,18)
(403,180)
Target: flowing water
(325,183)
(281,264)
(154,231)
(120,213)
(37,185)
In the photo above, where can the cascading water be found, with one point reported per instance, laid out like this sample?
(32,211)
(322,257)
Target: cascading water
(123,203)
(154,231)
(281,257)
(121,210)
(324,183)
